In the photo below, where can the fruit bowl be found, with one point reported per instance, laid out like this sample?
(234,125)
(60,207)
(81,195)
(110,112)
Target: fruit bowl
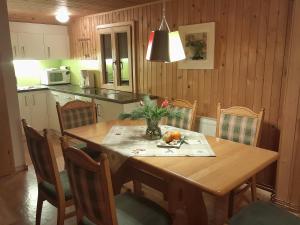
(171,139)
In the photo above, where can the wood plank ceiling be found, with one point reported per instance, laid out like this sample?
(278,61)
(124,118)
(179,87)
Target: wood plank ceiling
(43,11)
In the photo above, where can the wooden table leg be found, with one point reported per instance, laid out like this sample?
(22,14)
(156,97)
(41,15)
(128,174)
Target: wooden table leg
(221,210)
(186,204)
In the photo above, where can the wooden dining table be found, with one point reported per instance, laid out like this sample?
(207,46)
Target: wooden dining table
(183,180)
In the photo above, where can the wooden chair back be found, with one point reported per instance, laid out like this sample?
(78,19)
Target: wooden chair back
(76,114)
(250,122)
(42,157)
(91,186)
(189,112)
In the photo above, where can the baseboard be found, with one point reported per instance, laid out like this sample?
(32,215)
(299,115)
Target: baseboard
(287,205)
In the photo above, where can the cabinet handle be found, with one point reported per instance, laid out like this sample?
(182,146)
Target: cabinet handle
(26,104)
(49,52)
(23,51)
(98,111)
(15,50)
(33,98)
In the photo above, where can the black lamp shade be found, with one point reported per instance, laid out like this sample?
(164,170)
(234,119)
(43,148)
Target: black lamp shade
(158,46)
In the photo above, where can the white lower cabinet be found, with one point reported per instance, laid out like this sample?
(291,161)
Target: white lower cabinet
(33,108)
(110,110)
(39,108)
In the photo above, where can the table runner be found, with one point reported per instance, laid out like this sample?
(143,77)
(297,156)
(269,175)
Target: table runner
(128,141)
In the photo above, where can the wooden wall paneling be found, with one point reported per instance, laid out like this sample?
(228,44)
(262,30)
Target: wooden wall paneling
(249,56)
(288,175)
(261,55)
(244,53)
(147,64)
(252,53)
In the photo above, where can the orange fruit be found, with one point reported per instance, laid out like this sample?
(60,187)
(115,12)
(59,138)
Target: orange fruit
(176,135)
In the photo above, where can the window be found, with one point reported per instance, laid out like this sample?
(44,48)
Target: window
(116,54)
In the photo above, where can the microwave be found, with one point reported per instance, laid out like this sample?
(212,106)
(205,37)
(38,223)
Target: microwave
(54,76)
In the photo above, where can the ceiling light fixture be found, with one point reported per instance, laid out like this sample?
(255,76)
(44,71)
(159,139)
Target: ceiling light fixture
(163,45)
(62,15)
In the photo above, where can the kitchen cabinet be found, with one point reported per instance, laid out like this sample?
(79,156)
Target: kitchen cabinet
(56,46)
(39,41)
(14,44)
(30,46)
(33,108)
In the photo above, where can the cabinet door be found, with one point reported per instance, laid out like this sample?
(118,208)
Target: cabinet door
(24,106)
(14,44)
(107,111)
(53,97)
(56,46)
(39,112)
(65,98)
(31,45)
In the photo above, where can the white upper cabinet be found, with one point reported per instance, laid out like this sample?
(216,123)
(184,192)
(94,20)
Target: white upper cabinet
(14,44)
(39,41)
(56,46)
(31,46)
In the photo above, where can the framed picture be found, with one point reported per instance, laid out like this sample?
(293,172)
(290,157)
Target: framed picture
(199,45)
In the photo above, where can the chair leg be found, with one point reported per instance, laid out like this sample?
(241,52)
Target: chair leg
(60,215)
(137,188)
(253,189)
(39,208)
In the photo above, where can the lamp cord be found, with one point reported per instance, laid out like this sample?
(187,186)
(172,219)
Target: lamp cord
(164,24)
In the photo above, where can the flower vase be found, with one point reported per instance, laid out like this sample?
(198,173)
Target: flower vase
(153,131)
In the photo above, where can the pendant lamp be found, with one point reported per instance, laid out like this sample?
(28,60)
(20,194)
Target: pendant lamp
(163,45)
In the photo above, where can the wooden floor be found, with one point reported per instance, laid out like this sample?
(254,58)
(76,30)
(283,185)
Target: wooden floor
(18,197)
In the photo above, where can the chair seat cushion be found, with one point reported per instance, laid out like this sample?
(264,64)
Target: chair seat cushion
(50,189)
(135,210)
(90,152)
(261,213)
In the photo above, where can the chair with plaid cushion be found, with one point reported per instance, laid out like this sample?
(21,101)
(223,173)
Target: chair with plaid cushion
(53,186)
(188,112)
(76,114)
(94,199)
(240,124)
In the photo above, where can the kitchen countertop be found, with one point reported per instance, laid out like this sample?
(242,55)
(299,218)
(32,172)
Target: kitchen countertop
(120,97)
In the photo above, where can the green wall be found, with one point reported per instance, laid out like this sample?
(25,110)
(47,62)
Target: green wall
(28,71)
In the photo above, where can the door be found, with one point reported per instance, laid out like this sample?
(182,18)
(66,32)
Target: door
(31,45)
(107,58)
(56,46)
(123,58)
(116,54)
(39,114)
(14,44)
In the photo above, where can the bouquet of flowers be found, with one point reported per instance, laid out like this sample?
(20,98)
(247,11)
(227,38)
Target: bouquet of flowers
(152,113)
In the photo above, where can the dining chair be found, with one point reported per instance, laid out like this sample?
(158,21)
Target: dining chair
(240,124)
(263,213)
(53,186)
(94,199)
(188,112)
(76,114)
